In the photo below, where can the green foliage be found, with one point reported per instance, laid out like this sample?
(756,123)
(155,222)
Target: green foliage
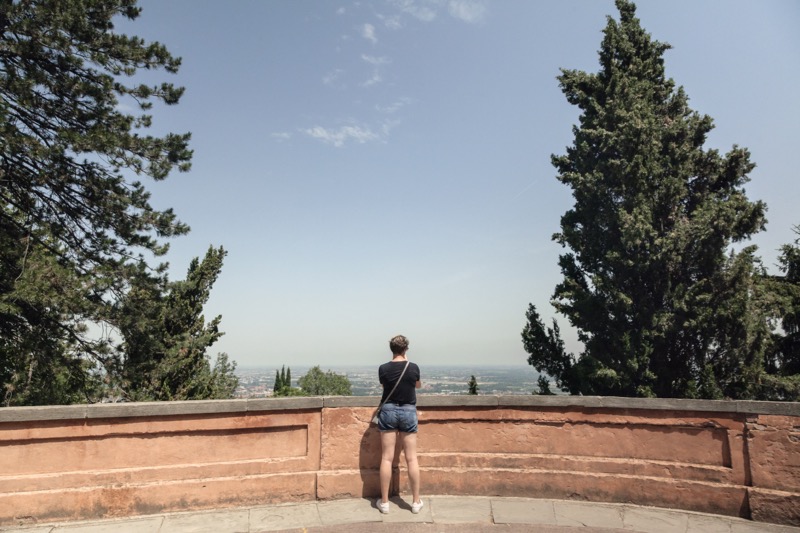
(40,342)
(544,387)
(661,307)
(283,384)
(166,337)
(318,383)
(547,353)
(75,219)
(472,385)
(782,360)
(291,391)
(67,144)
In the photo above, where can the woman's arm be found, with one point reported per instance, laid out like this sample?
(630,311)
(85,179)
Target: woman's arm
(418,385)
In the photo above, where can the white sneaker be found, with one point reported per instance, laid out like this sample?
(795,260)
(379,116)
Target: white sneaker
(416,507)
(382,507)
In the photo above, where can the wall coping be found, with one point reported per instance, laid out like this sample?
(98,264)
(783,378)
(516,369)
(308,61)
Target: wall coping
(205,407)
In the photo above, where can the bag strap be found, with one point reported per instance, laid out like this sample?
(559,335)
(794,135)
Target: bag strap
(395,386)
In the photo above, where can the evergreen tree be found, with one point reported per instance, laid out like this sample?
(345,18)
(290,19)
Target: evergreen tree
(284,383)
(75,219)
(40,354)
(166,337)
(544,387)
(278,385)
(472,384)
(660,306)
(782,381)
(288,381)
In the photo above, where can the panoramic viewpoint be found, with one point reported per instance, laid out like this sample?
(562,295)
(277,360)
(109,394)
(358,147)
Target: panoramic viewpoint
(527,247)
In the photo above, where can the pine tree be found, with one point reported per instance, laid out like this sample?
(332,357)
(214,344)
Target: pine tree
(75,219)
(166,337)
(782,381)
(659,305)
(288,377)
(278,385)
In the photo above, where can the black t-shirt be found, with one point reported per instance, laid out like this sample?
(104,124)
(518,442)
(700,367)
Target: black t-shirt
(406,392)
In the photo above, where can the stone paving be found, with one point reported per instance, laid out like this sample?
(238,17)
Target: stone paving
(441,514)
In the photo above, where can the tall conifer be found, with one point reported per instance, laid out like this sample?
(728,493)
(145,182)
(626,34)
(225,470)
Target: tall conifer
(661,306)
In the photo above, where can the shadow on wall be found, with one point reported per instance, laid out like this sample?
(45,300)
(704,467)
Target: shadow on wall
(369,462)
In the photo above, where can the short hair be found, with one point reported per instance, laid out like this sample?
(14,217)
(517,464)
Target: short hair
(398,344)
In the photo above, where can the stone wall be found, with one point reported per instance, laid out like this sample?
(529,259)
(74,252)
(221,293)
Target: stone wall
(91,461)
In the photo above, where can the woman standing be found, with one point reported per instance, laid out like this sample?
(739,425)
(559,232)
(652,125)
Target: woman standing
(398,416)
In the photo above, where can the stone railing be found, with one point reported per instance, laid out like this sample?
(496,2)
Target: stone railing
(90,461)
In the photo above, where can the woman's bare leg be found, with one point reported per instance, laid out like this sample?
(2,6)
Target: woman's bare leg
(388,441)
(409,443)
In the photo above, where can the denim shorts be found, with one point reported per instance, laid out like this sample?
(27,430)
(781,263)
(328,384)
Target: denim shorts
(398,417)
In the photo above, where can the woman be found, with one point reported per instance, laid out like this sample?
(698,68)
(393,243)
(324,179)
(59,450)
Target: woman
(398,416)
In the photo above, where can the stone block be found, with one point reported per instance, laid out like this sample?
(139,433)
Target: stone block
(150,524)
(233,521)
(348,484)
(347,512)
(774,449)
(778,507)
(654,519)
(524,511)
(154,409)
(285,517)
(461,510)
(592,515)
(283,404)
(466,400)
(41,413)
(351,401)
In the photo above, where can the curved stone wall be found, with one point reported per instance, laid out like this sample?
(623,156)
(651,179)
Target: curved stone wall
(90,461)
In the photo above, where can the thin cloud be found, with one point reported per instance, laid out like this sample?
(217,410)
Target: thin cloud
(333,78)
(368,33)
(467,10)
(281,136)
(392,22)
(377,63)
(387,126)
(470,11)
(419,10)
(340,137)
(375,79)
(394,107)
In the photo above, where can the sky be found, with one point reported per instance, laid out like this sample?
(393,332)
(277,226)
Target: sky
(376,168)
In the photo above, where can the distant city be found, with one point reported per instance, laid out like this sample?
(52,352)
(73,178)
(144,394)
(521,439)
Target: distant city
(441,380)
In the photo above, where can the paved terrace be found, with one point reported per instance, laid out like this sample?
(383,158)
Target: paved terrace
(441,514)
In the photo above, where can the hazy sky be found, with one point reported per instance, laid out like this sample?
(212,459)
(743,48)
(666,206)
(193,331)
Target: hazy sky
(376,168)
